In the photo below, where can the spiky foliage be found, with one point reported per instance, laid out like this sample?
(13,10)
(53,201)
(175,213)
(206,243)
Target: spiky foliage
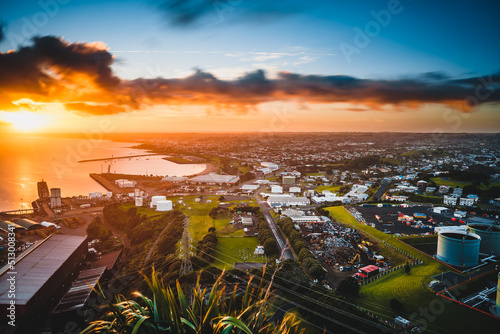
(208,311)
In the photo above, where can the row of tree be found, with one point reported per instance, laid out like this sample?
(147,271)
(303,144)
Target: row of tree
(306,258)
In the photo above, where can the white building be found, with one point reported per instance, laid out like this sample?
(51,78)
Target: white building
(215,179)
(295,190)
(440,209)
(124,183)
(276,189)
(450,200)
(467,201)
(288,201)
(246,221)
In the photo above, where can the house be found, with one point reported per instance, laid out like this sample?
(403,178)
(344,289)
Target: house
(450,200)
(467,201)
(444,189)
(246,221)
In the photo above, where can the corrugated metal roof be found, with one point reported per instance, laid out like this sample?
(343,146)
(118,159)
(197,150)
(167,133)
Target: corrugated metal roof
(35,269)
(80,291)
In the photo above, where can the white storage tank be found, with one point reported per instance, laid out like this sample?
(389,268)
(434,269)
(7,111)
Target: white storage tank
(164,206)
(92,195)
(490,237)
(98,194)
(109,194)
(138,201)
(458,248)
(156,199)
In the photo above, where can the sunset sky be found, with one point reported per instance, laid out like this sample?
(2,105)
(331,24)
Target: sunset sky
(240,65)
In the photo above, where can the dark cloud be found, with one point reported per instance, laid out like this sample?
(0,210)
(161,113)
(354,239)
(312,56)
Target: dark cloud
(79,76)
(2,32)
(185,13)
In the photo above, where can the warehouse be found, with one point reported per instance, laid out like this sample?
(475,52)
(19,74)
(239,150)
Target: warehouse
(76,304)
(287,201)
(5,224)
(215,179)
(42,276)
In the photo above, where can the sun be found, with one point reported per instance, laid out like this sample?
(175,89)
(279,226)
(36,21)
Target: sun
(25,121)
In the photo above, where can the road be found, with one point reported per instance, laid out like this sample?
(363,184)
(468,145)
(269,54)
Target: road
(381,190)
(280,239)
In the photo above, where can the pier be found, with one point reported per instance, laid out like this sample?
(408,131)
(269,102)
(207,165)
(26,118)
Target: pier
(124,157)
(108,185)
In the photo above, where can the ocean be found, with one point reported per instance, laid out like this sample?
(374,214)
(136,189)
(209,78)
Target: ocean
(25,160)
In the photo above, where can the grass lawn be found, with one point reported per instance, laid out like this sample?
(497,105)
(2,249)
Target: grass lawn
(332,188)
(390,161)
(228,251)
(443,181)
(316,174)
(144,210)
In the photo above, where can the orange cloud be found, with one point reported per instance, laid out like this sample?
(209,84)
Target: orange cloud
(79,76)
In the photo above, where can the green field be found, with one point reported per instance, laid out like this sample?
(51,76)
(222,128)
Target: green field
(390,161)
(316,174)
(442,181)
(143,211)
(332,188)
(228,251)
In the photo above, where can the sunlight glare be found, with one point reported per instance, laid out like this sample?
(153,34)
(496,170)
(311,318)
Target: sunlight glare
(25,121)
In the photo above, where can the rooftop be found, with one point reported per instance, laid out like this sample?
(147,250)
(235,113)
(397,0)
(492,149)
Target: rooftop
(35,266)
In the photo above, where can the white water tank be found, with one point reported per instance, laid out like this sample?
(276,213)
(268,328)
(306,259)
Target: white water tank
(156,199)
(164,206)
(92,195)
(138,201)
(109,194)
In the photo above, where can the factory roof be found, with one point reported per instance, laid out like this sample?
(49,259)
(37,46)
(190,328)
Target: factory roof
(215,178)
(35,266)
(4,225)
(80,290)
(26,223)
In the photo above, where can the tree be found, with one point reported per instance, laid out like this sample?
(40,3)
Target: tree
(271,247)
(407,268)
(397,306)
(349,287)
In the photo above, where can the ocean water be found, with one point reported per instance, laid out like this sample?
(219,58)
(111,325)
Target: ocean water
(25,160)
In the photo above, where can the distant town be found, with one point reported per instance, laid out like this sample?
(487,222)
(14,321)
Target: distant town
(356,232)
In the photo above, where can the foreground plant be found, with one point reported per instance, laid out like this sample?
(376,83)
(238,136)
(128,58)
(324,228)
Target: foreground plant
(207,312)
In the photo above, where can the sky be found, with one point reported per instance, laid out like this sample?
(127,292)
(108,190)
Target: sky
(240,65)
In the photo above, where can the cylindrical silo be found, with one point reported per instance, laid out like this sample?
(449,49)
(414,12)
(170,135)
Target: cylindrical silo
(458,248)
(490,237)
(156,199)
(164,206)
(138,201)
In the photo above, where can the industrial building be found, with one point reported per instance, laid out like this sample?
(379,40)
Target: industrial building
(55,197)
(43,190)
(215,179)
(174,179)
(458,248)
(28,224)
(75,305)
(287,201)
(490,237)
(43,273)
(286,179)
(123,183)
(5,225)
(276,189)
